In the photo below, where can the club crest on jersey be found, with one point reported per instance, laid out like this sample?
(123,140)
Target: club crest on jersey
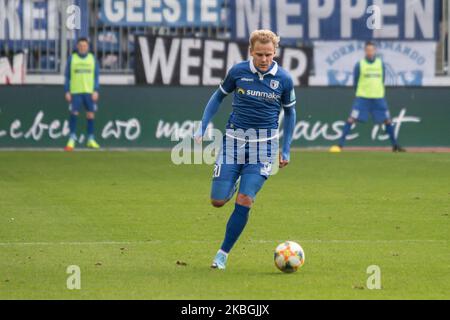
(274,84)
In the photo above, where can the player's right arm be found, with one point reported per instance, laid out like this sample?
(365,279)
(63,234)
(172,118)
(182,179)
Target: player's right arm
(227,86)
(67,81)
(210,111)
(356,73)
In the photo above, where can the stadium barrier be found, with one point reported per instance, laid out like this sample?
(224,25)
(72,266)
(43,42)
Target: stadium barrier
(147,117)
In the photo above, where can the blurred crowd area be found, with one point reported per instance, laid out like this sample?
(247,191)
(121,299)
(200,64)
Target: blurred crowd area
(41,28)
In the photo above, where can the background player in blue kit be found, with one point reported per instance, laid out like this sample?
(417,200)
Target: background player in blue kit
(261,89)
(81,87)
(369,77)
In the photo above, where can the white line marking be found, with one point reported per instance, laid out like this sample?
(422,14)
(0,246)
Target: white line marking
(87,243)
(161,149)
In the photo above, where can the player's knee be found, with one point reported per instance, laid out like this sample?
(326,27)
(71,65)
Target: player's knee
(351,120)
(90,115)
(218,203)
(387,122)
(244,200)
(75,113)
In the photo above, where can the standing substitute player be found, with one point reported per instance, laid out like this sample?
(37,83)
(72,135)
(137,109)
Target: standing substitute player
(261,89)
(81,87)
(369,77)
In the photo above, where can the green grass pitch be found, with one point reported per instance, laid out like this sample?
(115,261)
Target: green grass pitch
(126,218)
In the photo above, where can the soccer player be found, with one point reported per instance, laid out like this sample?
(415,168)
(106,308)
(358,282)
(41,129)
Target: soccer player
(369,77)
(81,88)
(261,89)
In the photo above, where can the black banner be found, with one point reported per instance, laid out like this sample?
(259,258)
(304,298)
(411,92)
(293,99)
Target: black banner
(209,309)
(193,62)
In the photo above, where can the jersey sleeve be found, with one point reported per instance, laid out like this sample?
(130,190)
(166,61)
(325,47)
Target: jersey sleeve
(356,73)
(67,75)
(288,98)
(228,85)
(96,75)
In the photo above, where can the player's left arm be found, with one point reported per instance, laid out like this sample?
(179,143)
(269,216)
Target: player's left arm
(95,94)
(290,119)
(290,116)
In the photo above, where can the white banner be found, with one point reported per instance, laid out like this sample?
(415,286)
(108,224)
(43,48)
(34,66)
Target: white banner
(407,63)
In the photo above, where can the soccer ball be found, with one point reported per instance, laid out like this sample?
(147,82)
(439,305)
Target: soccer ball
(289,257)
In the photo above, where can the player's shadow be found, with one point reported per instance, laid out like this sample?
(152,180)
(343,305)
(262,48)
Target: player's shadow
(275,274)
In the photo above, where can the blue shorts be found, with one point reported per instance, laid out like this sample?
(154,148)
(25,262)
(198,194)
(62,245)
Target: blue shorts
(82,99)
(226,175)
(378,108)
(254,170)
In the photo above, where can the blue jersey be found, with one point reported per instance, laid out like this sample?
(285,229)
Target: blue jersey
(258,97)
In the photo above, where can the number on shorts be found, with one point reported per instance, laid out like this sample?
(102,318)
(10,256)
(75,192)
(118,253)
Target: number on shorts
(217,168)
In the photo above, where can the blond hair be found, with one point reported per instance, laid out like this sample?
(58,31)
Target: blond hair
(264,36)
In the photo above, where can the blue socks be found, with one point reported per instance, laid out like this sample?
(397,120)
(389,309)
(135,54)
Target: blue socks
(90,129)
(391,133)
(348,127)
(345,132)
(73,126)
(235,226)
